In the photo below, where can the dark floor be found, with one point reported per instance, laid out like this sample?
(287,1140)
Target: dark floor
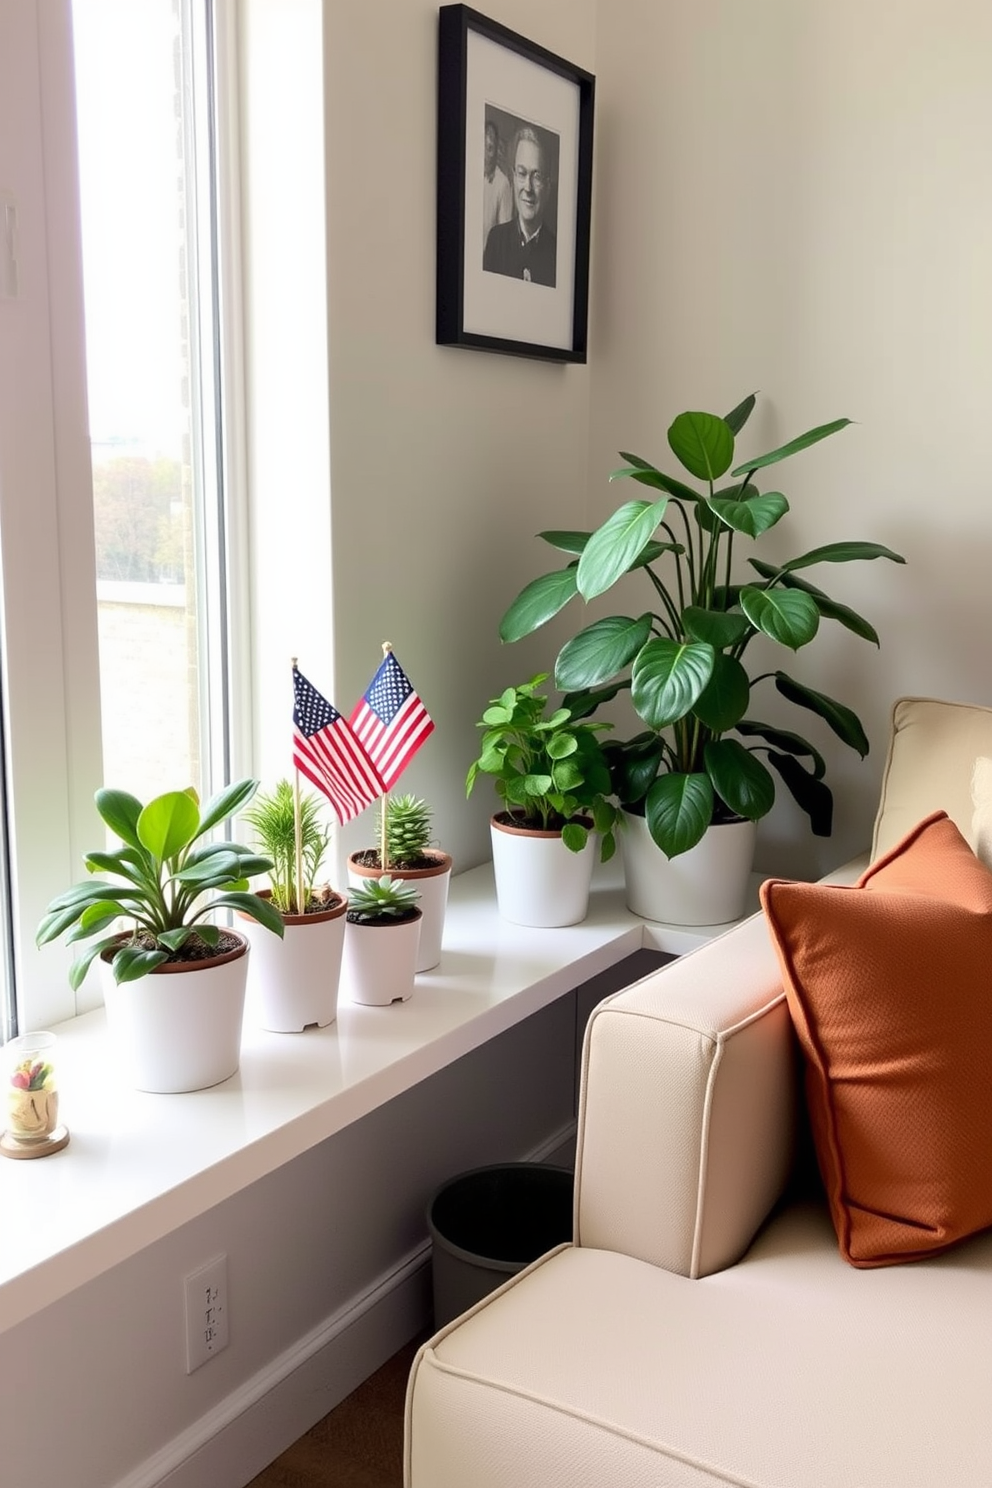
(359,1445)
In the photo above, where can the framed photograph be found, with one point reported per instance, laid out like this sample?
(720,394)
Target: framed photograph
(514,192)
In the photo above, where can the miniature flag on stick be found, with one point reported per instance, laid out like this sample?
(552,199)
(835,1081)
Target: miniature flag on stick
(390,721)
(327,752)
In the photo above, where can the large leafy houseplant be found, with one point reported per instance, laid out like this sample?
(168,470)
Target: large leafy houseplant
(163,869)
(549,769)
(683,661)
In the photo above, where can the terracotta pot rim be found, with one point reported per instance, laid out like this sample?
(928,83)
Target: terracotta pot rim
(204,963)
(443,865)
(539,832)
(319,917)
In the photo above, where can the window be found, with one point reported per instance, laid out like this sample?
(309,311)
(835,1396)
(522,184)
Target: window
(115,667)
(147,163)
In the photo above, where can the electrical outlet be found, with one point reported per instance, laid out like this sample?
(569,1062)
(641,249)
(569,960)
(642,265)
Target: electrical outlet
(206,1312)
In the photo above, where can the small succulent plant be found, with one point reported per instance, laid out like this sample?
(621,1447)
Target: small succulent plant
(380,900)
(408,830)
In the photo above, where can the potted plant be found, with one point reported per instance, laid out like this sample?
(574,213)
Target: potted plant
(551,774)
(381,941)
(174,983)
(409,856)
(294,983)
(696,763)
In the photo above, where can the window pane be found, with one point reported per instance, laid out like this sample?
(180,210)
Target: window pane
(145,184)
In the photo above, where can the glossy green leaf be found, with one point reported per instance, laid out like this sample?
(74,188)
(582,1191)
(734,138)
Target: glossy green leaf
(741,780)
(537,785)
(82,963)
(566,542)
(561,745)
(648,475)
(830,609)
(842,552)
(718,628)
(845,724)
(537,603)
(585,701)
(566,775)
(668,678)
(753,516)
(600,651)
(738,417)
(252,905)
(575,836)
(227,803)
(725,697)
(168,824)
(132,962)
(120,810)
(786,615)
(174,940)
(217,868)
(97,918)
(634,764)
(616,545)
(783,739)
(703,443)
(678,810)
(809,792)
(812,436)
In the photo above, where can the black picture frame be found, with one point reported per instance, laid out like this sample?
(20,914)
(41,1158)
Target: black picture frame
(518,294)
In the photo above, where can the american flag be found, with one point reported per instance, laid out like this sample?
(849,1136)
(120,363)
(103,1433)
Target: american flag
(390,720)
(326,751)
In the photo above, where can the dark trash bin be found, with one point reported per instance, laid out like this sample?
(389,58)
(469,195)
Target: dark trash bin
(489,1224)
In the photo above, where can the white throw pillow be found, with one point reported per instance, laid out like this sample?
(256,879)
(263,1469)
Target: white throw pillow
(981,799)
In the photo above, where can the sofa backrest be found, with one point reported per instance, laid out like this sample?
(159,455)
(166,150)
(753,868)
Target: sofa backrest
(933,746)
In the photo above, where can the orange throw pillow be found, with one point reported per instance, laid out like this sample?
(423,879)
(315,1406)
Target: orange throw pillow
(889,984)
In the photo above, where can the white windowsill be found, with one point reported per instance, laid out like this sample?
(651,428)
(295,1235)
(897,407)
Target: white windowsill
(138,1166)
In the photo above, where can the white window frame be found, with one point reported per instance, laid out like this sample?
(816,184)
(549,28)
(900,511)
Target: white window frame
(50,662)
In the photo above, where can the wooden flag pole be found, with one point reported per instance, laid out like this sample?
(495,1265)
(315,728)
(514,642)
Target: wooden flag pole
(298,831)
(387,646)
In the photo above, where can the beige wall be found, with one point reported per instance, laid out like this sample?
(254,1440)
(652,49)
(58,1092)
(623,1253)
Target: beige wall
(444,462)
(795,197)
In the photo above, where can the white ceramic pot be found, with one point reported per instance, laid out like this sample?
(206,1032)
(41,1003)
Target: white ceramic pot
(293,982)
(432,886)
(380,961)
(705,886)
(179,1028)
(539,881)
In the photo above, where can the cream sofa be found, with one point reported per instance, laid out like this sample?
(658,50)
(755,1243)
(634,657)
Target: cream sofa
(703,1327)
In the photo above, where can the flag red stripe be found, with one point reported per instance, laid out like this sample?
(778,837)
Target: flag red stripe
(391,748)
(339,751)
(329,761)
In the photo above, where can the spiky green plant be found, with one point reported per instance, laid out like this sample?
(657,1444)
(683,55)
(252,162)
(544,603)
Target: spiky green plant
(381,899)
(408,829)
(273,819)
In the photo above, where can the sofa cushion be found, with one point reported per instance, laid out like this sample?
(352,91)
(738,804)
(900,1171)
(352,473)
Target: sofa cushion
(789,1368)
(933,746)
(981,800)
(889,985)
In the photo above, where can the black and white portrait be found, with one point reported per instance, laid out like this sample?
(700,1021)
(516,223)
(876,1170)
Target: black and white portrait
(513,239)
(520,202)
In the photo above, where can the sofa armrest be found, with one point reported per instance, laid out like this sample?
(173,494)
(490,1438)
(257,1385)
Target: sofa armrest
(687,1115)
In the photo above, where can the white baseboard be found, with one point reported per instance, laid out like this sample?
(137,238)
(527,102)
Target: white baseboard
(232,1443)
